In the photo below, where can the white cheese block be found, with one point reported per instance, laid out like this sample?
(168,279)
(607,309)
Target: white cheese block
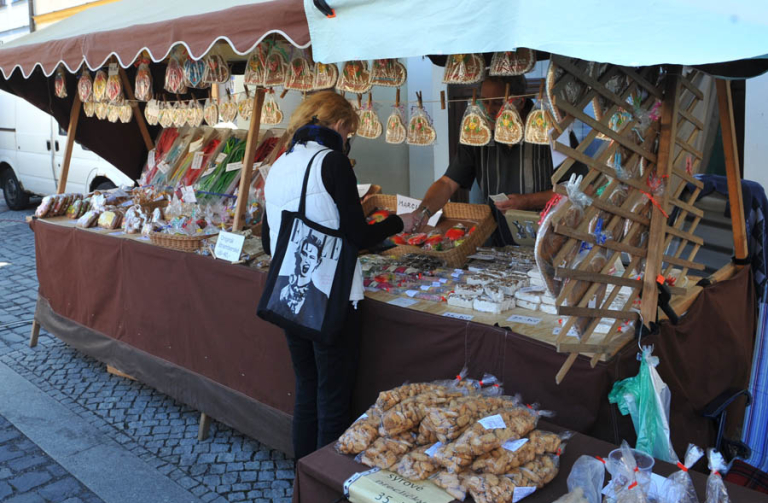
(548,299)
(460,301)
(486,305)
(479,279)
(468,290)
(536,281)
(547,308)
(531,306)
(495,293)
(528,297)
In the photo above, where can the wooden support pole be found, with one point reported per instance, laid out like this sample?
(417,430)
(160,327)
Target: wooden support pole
(251,143)
(74,117)
(35,333)
(669,110)
(732,169)
(137,115)
(204,428)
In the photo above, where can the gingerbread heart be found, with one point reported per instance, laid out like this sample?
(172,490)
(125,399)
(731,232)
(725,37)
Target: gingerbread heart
(388,73)
(113,113)
(326,76)
(179,114)
(228,110)
(216,69)
(255,69)
(300,76)
(276,66)
(60,83)
(101,110)
(370,125)
(271,115)
(510,63)
(245,107)
(89,107)
(85,87)
(100,86)
(151,112)
(537,127)
(509,127)
(355,77)
(420,131)
(395,128)
(211,112)
(464,69)
(195,114)
(126,113)
(474,130)
(165,115)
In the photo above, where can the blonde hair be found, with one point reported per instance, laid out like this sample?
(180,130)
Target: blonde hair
(329,108)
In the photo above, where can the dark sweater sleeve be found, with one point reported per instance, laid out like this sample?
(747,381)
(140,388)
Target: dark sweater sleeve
(340,182)
(265,234)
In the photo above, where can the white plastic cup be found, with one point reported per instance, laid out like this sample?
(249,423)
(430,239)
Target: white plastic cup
(644,467)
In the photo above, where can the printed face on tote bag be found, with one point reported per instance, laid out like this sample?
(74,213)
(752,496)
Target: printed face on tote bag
(306,276)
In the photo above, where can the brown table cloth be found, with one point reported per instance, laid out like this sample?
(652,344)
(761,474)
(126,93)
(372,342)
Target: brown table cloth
(320,476)
(187,325)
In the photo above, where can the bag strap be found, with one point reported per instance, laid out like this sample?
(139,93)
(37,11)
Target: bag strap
(303,201)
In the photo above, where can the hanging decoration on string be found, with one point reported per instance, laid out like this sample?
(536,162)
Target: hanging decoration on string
(114,85)
(101,109)
(355,78)
(370,125)
(276,65)
(255,69)
(194,74)
(464,69)
(100,87)
(85,87)
(152,112)
(216,68)
(300,76)
(89,107)
(475,126)
(113,112)
(510,63)
(125,112)
(388,73)
(174,73)
(60,83)
(539,122)
(325,76)
(245,105)
(396,132)
(228,109)
(143,85)
(165,116)
(271,115)
(179,114)
(509,125)
(195,113)
(211,112)
(420,129)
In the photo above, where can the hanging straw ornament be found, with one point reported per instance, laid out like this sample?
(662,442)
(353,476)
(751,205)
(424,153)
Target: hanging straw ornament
(271,115)
(255,69)
(355,77)
(194,73)
(85,87)
(420,130)
(276,65)
(216,69)
(100,87)
(89,107)
(325,76)
(228,110)
(510,63)
(60,83)
(174,75)
(370,125)
(151,112)
(464,69)
(142,87)
(211,112)
(388,73)
(114,86)
(101,110)
(475,127)
(245,105)
(300,76)
(125,113)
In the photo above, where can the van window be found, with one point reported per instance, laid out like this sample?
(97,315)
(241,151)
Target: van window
(64,133)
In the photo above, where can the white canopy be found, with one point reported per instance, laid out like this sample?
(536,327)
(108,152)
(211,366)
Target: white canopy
(688,32)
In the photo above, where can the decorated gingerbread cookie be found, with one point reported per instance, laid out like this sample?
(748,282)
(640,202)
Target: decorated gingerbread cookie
(355,77)
(388,73)
(475,129)
(271,115)
(228,110)
(516,62)
(85,87)
(370,125)
(300,76)
(537,126)
(211,112)
(255,69)
(420,130)
(276,69)
(464,69)
(325,76)
(395,128)
(509,126)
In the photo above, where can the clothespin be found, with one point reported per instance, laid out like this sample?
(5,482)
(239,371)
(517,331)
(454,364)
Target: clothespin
(282,95)
(370,100)
(360,101)
(397,97)
(418,97)
(474,96)
(442,100)
(247,93)
(506,92)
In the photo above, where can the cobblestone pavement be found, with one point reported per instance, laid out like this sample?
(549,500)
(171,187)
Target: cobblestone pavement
(228,466)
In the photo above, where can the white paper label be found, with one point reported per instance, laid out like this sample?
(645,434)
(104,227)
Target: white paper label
(151,159)
(229,246)
(571,333)
(525,320)
(514,445)
(493,422)
(234,166)
(197,160)
(164,167)
(459,271)
(465,317)
(443,280)
(209,171)
(521,492)
(456,275)
(432,450)
(220,158)
(188,194)
(403,302)
(113,69)
(407,204)
(437,284)
(499,198)
(362,189)
(411,293)
(425,288)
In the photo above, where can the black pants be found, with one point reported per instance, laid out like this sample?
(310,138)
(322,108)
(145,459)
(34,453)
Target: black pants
(325,375)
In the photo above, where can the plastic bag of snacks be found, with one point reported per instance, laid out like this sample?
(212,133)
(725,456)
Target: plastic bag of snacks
(60,83)
(452,483)
(325,76)
(679,487)
(126,113)
(100,86)
(451,460)
(174,74)
(587,476)
(143,85)
(625,472)
(114,86)
(407,414)
(88,219)
(89,107)
(448,423)
(361,434)
(516,453)
(388,399)
(716,491)
(475,127)
(420,129)
(491,432)
(85,87)
(216,69)
(385,451)
(418,464)
(45,207)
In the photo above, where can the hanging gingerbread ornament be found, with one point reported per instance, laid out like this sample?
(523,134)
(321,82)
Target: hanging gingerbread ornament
(355,77)
(300,76)
(464,69)
(179,114)
(113,112)
(475,128)
(143,85)
(174,74)
(216,69)
(101,110)
(325,76)
(211,112)
(245,105)
(228,110)
(510,63)
(85,87)
(114,85)
(255,69)
(125,113)
(194,73)
(276,68)
(271,115)
(509,126)
(60,83)
(537,125)
(370,125)
(420,129)
(151,112)
(395,127)
(89,107)
(388,73)
(100,87)
(165,115)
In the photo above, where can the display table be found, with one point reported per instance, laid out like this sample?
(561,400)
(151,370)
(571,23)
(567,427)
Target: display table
(186,325)
(321,475)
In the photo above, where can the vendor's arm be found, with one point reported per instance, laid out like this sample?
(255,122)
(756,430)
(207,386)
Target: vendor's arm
(341,184)
(530,202)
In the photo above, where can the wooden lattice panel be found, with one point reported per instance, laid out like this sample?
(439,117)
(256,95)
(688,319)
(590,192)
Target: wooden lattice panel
(625,105)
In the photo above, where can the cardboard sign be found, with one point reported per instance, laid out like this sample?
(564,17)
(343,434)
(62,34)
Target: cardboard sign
(525,320)
(234,166)
(403,302)
(407,204)
(229,246)
(386,487)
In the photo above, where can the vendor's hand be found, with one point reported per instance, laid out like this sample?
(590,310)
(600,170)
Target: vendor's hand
(514,202)
(410,220)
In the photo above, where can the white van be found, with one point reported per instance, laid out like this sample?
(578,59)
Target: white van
(31,153)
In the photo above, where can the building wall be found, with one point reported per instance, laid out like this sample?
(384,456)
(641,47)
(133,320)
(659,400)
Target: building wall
(14,20)
(755,130)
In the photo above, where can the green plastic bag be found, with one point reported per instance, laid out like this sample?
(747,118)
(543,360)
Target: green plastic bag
(646,398)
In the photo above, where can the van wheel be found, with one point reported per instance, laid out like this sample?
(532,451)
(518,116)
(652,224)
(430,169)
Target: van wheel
(105,185)
(14,195)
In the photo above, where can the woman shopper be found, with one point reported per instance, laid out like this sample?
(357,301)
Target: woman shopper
(325,372)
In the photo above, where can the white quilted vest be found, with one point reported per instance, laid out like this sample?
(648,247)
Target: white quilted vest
(282,191)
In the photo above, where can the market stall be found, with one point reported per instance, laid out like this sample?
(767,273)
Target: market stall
(185,323)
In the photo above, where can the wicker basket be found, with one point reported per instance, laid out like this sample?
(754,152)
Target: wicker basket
(178,242)
(476,214)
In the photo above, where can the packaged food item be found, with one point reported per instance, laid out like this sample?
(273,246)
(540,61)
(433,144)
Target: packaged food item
(417,464)
(255,69)
(60,204)
(420,130)
(452,483)
(434,241)
(114,87)
(109,220)
(370,125)
(276,67)
(407,414)
(456,232)
(378,216)
(395,128)
(537,473)
(125,112)
(716,491)
(143,84)
(84,207)
(100,86)
(195,113)
(361,434)
(509,63)
(516,453)
(354,78)
(174,74)
(464,69)
(388,73)
(88,219)
(537,125)
(216,69)
(325,76)
(102,108)
(679,486)
(245,106)
(74,209)
(211,112)
(152,112)
(417,239)
(85,86)
(165,114)
(46,206)
(113,113)
(60,83)
(585,482)
(492,431)
(89,107)
(228,110)
(388,399)
(194,72)
(385,451)
(300,76)
(271,115)
(449,422)
(509,125)
(452,461)
(475,127)
(400,239)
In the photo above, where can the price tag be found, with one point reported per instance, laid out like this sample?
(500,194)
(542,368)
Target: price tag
(381,486)
(493,422)
(220,158)
(229,246)
(113,69)
(151,159)
(425,288)
(188,194)
(514,445)
(443,280)
(197,160)
(437,284)
(403,302)
(521,492)
(209,171)
(164,167)
(499,198)
(465,317)
(459,271)
(234,166)
(571,333)
(525,320)
(432,450)
(411,293)
(407,204)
